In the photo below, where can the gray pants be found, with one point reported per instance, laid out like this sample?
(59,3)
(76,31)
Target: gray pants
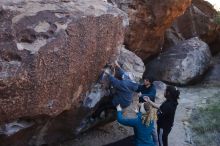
(154,135)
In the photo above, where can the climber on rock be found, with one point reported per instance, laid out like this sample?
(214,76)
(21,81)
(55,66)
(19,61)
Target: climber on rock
(123,87)
(121,92)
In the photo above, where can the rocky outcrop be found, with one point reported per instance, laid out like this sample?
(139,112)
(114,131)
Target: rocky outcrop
(197,21)
(182,63)
(160,88)
(132,64)
(148,22)
(51,54)
(172,38)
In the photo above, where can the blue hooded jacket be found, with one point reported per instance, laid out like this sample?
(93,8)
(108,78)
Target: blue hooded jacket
(124,89)
(142,133)
(150,92)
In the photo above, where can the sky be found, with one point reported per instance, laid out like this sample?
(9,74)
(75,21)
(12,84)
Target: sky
(216,3)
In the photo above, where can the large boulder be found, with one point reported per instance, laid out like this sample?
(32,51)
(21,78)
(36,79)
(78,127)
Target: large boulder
(197,21)
(148,21)
(132,64)
(51,54)
(182,63)
(160,88)
(172,38)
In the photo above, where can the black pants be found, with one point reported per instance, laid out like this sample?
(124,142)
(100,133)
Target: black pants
(103,107)
(163,135)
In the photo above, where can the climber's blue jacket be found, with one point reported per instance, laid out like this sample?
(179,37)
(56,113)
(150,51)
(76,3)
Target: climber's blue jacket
(124,89)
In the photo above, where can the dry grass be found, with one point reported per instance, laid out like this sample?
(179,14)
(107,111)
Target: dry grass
(205,123)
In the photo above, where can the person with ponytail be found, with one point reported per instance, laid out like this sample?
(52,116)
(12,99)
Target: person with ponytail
(166,113)
(142,124)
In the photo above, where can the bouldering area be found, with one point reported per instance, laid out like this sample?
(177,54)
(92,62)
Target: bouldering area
(60,61)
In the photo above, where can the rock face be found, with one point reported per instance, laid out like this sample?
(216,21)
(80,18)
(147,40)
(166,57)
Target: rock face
(51,53)
(212,76)
(148,21)
(131,63)
(197,21)
(160,88)
(172,38)
(182,63)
